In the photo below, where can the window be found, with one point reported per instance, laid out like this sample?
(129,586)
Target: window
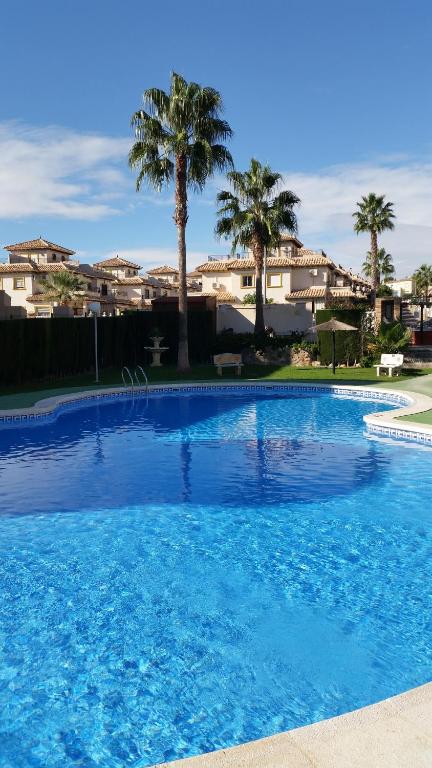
(247,281)
(19,283)
(1,283)
(43,311)
(274,280)
(54,257)
(154,294)
(146,293)
(104,290)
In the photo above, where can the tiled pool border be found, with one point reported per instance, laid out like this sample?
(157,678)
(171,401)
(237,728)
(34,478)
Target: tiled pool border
(383,424)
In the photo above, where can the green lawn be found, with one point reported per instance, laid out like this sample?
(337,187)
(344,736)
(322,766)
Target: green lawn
(25,396)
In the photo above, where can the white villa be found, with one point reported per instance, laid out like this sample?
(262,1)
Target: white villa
(293,274)
(113,284)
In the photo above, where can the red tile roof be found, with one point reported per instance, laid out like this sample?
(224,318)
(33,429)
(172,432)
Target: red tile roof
(165,270)
(116,261)
(38,244)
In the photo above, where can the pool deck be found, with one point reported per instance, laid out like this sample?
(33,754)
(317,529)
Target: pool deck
(395,733)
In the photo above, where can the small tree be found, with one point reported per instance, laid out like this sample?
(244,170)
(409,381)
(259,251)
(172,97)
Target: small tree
(62,287)
(423,281)
(374,216)
(391,338)
(385,266)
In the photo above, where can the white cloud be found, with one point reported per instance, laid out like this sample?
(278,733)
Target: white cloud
(59,172)
(329,198)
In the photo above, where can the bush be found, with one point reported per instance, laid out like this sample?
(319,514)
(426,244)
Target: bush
(227,341)
(250,298)
(383,290)
(391,339)
(307,346)
(349,344)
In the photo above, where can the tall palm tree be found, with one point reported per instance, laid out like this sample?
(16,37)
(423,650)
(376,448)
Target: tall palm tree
(62,287)
(178,137)
(386,269)
(423,280)
(255,217)
(374,216)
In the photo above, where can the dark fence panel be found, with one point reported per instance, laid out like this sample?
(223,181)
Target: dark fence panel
(349,344)
(32,350)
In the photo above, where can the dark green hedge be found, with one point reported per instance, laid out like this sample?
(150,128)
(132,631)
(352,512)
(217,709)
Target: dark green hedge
(348,343)
(32,350)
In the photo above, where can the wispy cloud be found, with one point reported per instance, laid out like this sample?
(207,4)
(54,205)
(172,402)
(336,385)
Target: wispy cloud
(59,172)
(329,198)
(148,258)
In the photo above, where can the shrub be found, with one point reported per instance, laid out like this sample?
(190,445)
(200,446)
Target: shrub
(349,344)
(227,341)
(307,346)
(384,290)
(390,339)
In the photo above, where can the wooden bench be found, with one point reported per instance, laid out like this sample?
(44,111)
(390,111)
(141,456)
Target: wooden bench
(392,363)
(228,360)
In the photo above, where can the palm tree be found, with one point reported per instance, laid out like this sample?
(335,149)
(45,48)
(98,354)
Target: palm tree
(386,269)
(374,216)
(255,217)
(423,280)
(62,287)
(178,137)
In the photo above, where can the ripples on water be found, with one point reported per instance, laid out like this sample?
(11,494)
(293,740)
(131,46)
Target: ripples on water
(197,571)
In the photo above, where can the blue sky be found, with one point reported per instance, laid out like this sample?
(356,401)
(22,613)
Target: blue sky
(335,95)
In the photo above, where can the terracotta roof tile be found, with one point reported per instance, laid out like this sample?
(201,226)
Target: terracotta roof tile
(38,244)
(222,297)
(314,292)
(345,292)
(30,267)
(165,270)
(116,261)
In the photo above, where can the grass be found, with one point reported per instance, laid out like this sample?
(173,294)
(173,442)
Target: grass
(27,395)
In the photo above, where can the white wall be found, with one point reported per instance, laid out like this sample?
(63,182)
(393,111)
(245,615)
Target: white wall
(283,318)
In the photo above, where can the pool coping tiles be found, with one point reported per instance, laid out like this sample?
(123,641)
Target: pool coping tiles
(395,733)
(381,424)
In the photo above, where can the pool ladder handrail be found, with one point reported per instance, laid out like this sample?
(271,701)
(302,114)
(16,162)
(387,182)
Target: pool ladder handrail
(135,378)
(139,370)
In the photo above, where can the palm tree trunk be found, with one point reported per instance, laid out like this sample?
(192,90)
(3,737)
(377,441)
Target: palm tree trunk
(180,218)
(374,264)
(258,252)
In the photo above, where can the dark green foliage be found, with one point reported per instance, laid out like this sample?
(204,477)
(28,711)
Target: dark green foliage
(384,290)
(307,346)
(348,343)
(32,350)
(390,339)
(227,341)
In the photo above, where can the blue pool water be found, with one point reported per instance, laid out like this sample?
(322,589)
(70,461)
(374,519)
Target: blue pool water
(195,571)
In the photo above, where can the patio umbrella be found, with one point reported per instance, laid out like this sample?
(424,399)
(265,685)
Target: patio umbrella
(334,325)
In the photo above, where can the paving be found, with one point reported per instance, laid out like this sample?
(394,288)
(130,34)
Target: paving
(395,733)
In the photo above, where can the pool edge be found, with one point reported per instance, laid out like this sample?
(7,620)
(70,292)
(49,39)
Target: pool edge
(379,423)
(393,733)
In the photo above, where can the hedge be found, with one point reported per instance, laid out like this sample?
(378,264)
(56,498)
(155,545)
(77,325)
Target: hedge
(348,343)
(44,348)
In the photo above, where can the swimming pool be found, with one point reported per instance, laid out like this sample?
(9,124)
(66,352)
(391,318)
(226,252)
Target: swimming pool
(193,571)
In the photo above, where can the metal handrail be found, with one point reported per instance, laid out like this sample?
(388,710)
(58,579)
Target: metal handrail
(125,368)
(140,370)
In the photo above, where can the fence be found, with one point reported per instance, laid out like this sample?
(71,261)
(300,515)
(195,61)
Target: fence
(32,350)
